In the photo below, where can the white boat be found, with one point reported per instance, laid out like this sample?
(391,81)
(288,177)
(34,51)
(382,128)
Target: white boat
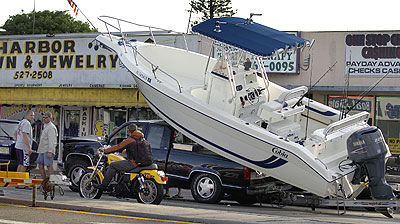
(235,111)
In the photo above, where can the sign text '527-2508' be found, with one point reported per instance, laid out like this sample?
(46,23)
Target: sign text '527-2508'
(33,75)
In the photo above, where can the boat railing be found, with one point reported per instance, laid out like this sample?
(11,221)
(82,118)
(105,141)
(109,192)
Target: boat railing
(338,125)
(154,67)
(151,28)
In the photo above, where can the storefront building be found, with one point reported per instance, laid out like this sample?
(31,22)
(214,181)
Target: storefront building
(353,70)
(72,76)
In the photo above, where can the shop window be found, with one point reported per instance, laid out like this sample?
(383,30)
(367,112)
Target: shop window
(388,120)
(109,119)
(142,114)
(357,104)
(71,123)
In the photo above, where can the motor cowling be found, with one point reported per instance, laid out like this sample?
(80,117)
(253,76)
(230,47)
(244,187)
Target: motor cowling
(367,149)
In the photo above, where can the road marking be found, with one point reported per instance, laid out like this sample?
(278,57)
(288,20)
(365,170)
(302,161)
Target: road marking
(99,214)
(18,222)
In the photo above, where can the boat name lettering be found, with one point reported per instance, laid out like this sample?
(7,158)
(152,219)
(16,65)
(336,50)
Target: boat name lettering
(280,153)
(143,76)
(359,143)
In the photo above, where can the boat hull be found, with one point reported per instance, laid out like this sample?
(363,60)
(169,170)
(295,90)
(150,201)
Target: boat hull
(235,141)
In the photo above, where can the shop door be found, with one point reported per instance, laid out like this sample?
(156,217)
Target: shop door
(71,122)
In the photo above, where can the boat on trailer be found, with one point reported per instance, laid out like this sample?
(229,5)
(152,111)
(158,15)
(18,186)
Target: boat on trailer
(231,108)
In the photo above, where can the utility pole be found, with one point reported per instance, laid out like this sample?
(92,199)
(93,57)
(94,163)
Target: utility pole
(34,7)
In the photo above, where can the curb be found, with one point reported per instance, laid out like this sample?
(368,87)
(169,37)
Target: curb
(141,214)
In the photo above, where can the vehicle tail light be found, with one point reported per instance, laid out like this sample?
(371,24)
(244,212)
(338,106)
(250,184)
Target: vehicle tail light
(246,173)
(162,175)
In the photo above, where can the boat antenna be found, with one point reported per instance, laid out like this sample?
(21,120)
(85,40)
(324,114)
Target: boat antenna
(308,102)
(311,87)
(190,17)
(363,94)
(345,100)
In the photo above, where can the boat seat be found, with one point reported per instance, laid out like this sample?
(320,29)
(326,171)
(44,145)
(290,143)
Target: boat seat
(292,93)
(281,115)
(281,108)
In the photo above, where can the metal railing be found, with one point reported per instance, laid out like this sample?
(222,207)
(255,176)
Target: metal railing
(126,43)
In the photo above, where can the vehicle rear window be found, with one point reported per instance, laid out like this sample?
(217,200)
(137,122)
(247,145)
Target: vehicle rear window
(158,136)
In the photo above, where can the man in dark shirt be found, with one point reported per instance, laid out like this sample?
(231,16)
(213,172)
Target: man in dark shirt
(124,165)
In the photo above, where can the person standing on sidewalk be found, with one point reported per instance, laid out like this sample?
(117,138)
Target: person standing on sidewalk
(47,145)
(23,145)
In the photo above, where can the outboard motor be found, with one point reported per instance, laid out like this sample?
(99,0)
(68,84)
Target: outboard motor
(367,149)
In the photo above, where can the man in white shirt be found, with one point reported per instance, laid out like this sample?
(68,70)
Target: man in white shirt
(47,145)
(23,136)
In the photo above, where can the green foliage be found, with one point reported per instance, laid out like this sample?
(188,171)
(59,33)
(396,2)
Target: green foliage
(211,9)
(46,22)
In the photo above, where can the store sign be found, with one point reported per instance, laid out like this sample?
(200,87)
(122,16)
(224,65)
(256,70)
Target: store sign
(394,145)
(60,62)
(84,122)
(357,103)
(18,112)
(388,108)
(372,53)
(283,63)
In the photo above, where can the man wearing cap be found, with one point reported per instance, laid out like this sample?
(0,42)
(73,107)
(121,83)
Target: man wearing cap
(47,145)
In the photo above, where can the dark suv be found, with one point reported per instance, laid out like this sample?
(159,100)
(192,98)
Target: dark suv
(209,176)
(7,145)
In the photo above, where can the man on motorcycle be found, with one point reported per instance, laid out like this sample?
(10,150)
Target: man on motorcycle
(129,145)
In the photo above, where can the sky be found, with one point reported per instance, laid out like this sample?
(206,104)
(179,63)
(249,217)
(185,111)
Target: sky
(285,15)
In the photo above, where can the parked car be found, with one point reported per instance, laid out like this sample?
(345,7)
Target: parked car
(209,176)
(7,145)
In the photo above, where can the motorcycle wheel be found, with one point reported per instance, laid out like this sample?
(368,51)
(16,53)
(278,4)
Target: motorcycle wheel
(86,189)
(152,192)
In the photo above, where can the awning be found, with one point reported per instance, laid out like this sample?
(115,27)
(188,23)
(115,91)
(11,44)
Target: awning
(252,37)
(68,96)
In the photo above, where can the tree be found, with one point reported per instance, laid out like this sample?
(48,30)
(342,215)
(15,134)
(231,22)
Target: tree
(211,9)
(45,22)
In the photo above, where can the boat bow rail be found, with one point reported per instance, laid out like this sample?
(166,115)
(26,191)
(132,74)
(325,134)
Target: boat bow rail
(107,20)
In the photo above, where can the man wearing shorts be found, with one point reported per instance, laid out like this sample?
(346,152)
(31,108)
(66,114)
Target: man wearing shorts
(23,136)
(47,145)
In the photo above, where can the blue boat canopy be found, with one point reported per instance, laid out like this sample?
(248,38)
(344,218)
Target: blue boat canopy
(247,35)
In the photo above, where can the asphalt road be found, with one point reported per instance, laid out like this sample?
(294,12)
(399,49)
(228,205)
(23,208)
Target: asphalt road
(172,210)
(21,214)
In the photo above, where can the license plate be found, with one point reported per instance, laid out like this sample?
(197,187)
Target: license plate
(4,150)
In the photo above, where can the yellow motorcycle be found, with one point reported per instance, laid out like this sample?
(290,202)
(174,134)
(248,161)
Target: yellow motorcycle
(143,183)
